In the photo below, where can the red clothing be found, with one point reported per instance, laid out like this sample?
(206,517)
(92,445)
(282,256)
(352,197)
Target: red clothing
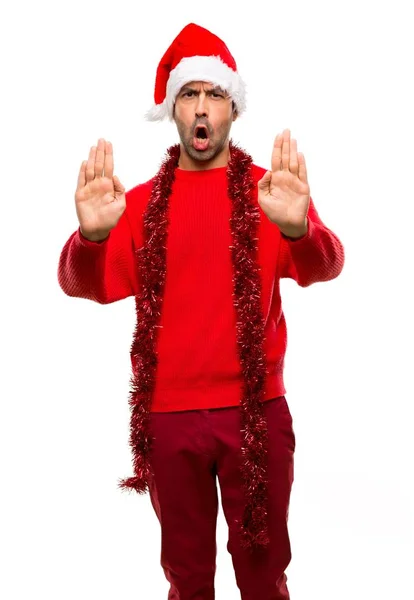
(183,492)
(198,363)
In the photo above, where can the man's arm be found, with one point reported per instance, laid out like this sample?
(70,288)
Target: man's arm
(312,252)
(317,256)
(103,271)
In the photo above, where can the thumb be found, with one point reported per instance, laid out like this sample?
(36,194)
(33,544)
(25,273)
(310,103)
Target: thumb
(118,187)
(264,182)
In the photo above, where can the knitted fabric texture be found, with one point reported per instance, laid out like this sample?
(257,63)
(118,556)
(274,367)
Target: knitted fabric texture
(151,262)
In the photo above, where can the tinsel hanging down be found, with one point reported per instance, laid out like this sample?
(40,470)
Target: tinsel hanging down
(151,263)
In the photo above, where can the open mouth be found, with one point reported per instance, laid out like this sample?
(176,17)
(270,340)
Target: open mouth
(201,132)
(201,137)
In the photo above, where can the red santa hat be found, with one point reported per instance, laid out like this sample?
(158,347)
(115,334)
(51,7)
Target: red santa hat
(196,54)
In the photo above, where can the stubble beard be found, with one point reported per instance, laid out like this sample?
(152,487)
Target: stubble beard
(217,143)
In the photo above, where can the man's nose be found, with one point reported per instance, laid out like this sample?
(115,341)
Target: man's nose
(201,108)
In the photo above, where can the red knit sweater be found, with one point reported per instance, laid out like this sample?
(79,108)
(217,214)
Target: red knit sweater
(198,364)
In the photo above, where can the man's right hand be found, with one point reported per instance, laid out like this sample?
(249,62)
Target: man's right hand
(100,196)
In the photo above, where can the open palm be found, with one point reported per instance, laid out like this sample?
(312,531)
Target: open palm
(283,192)
(100,197)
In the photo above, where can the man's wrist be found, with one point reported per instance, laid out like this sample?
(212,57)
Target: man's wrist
(296,233)
(94,236)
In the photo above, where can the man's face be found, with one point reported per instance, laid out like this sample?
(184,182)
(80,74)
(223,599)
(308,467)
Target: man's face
(204,115)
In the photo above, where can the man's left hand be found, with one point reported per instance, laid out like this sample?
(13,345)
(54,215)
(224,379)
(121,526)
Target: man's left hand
(283,192)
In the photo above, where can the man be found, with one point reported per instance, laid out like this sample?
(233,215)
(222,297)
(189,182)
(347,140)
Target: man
(202,247)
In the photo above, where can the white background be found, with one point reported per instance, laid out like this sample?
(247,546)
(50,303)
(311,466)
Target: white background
(339,75)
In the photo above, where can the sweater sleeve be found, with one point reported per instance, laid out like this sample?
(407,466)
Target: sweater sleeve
(317,256)
(103,271)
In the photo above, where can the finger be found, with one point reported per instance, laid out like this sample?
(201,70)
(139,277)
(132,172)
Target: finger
(303,175)
(286,150)
(100,158)
(293,160)
(264,182)
(82,176)
(277,153)
(109,161)
(90,166)
(118,187)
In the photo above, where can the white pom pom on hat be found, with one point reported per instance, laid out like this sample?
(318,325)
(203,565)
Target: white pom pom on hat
(196,54)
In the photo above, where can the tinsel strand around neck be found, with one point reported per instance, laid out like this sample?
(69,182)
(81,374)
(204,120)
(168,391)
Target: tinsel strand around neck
(151,264)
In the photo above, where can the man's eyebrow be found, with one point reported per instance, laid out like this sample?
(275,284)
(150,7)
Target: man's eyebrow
(217,88)
(187,88)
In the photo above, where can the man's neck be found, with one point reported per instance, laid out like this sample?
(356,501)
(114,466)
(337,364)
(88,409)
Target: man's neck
(187,163)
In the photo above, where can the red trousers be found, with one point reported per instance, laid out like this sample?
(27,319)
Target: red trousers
(191,450)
